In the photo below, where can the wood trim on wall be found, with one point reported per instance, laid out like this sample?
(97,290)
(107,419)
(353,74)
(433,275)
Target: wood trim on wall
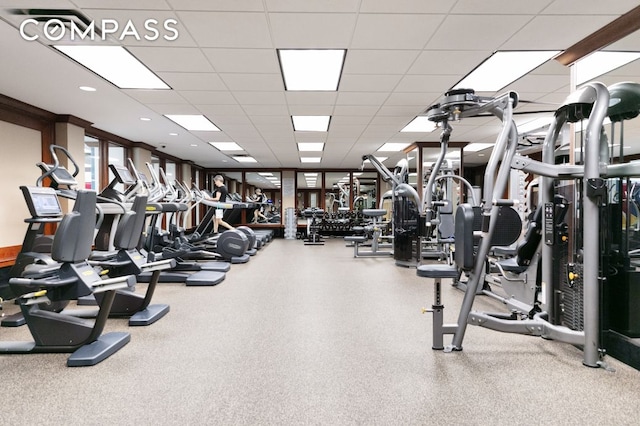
(8,255)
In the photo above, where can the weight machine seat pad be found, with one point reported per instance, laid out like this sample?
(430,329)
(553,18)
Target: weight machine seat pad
(356,238)
(374,212)
(511,265)
(437,271)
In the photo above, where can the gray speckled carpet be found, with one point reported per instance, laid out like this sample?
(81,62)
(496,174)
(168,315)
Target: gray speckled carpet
(309,335)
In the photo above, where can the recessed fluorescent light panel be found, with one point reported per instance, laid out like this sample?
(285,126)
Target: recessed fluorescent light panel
(475,147)
(244,159)
(534,125)
(420,124)
(503,68)
(226,146)
(310,159)
(193,122)
(393,147)
(265,174)
(310,146)
(311,69)
(114,64)
(310,123)
(599,63)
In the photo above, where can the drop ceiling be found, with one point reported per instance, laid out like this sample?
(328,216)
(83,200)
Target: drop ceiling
(402,55)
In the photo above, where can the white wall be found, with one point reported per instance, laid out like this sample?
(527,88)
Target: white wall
(21,150)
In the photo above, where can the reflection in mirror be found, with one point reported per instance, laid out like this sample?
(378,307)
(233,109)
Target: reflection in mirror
(263,189)
(308,192)
(366,193)
(337,191)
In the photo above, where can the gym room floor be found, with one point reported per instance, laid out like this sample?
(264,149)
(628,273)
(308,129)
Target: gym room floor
(310,335)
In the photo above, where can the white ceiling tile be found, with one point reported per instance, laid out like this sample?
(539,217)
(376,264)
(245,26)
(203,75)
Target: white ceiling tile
(192,81)
(361,98)
(257,82)
(555,35)
(538,82)
(590,7)
(240,131)
(252,110)
(208,97)
(311,98)
(311,109)
(500,7)
(227,29)
(368,83)
(264,61)
(272,119)
(156,96)
(493,31)
(174,109)
(223,110)
(347,130)
(424,83)
(356,110)
(217,5)
(317,30)
(274,130)
(413,98)
(171,59)
(310,136)
(393,120)
(552,67)
(445,62)
(394,31)
(118,4)
(628,43)
(405,6)
(232,120)
(353,119)
(379,61)
(260,98)
(333,6)
(401,110)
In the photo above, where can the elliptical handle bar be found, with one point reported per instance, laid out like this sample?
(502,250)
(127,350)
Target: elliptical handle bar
(56,163)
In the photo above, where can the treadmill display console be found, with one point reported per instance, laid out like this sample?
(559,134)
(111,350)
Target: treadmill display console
(42,201)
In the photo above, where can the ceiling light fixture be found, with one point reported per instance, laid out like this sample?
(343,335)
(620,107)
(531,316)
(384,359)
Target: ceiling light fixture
(601,62)
(310,146)
(310,159)
(226,146)
(244,159)
(311,69)
(393,147)
(310,123)
(503,68)
(193,122)
(420,124)
(475,147)
(115,64)
(87,88)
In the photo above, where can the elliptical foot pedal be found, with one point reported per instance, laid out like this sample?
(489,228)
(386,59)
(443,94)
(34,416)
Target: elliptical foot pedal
(149,315)
(205,278)
(89,300)
(15,320)
(98,351)
(239,259)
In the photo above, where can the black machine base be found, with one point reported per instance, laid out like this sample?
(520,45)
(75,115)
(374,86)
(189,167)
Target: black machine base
(148,316)
(98,351)
(239,259)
